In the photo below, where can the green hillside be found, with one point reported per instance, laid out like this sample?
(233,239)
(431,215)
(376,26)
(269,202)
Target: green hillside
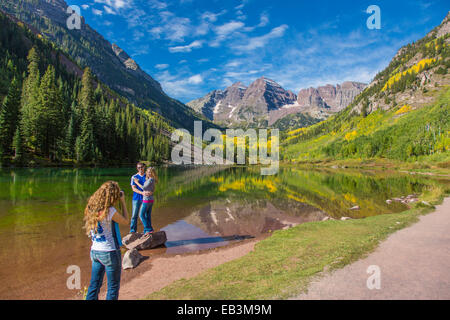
(48,114)
(89,49)
(403,115)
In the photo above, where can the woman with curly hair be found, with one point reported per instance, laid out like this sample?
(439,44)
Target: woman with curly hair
(101,217)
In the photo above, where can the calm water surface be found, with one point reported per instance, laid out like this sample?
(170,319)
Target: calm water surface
(41,212)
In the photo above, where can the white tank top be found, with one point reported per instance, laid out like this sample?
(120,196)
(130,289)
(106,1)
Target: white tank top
(103,239)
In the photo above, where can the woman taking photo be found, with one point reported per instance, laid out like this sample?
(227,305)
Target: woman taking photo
(100,217)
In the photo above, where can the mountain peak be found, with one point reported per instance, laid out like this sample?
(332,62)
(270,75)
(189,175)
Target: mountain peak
(239,85)
(265,80)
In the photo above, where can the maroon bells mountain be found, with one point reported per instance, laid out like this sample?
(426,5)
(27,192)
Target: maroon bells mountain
(265,101)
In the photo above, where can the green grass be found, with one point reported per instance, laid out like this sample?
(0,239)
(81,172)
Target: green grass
(284,264)
(438,164)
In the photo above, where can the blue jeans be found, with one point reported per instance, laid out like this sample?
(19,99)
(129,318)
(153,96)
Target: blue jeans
(146,216)
(111,263)
(136,208)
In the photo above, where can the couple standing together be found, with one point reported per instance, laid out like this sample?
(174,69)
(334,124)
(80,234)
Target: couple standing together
(143,185)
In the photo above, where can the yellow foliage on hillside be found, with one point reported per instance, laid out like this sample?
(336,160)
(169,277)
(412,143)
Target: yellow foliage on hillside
(351,135)
(406,108)
(296,131)
(415,68)
(434,42)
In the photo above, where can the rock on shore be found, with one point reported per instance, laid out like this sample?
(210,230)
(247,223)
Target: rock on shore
(131,259)
(138,241)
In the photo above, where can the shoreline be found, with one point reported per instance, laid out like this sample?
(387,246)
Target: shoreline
(161,272)
(438,169)
(156,263)
(165,269)
(239,279)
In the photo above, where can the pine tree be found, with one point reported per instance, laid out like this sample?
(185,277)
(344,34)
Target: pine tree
(18,145)
(9,116)
(30,99)
(365,108)
(87,138)
(150,150)
(70,138)
(49,114)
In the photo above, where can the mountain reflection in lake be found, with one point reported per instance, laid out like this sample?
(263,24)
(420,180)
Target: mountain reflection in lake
(41,212)
(219,222)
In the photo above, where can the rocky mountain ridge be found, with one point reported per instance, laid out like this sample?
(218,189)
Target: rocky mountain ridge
(266,100)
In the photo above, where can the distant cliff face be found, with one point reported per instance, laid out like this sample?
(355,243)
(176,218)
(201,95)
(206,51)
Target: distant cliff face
(333,98)
(266,100)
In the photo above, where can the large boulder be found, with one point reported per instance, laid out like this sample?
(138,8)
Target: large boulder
(131,237)
(131,259)
(140,242)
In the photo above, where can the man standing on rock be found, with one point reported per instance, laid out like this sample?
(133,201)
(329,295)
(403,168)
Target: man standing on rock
(138,195)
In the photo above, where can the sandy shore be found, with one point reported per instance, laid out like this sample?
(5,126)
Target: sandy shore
(156,273)
(414,264)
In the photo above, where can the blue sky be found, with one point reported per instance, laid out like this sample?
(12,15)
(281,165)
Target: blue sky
(195,46)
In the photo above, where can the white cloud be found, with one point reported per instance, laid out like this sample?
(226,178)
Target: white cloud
(156,32)
(202,29)
(116,4)
(225,31)
(212,17)
(197,79)
(233,64)
(137,35)
(158,4)
(162,66)
(228,28)
(97,12)
(194,45)
(85,6)
(109,10)
(263,20)
(177,28)
(180,85)
(260,42)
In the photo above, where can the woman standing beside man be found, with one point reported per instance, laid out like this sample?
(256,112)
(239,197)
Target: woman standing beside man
(143,186)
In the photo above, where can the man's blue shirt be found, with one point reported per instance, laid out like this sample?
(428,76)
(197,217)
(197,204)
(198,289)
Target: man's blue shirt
(141,179)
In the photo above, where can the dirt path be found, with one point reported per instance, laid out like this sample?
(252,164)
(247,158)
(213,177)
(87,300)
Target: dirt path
(165,270)
(414,264)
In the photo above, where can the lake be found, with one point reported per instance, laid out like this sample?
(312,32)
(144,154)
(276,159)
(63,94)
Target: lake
(41,212)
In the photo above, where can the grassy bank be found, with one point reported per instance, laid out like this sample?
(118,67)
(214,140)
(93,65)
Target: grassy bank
(284,264)
(437,164)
